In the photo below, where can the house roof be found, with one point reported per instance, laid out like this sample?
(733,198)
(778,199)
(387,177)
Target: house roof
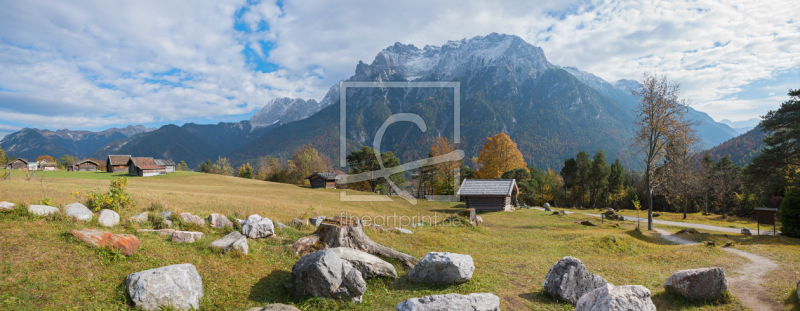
(22,160)
(118,159)
(164,162)
(488,187)
(84,161)
(325,176)
(140,162)
(151,167)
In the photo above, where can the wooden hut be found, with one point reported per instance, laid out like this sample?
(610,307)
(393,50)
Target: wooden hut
(47,167)
(323,180)
(168,165)
(117,163)
(17,164)
(144,167)
(490,194)
(85,166)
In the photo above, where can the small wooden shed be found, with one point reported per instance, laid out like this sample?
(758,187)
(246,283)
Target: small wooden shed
(85,166)
(323,180)
(47,167)
(117,163)
(144,167)
(490,194)
(17,164)
(168,165)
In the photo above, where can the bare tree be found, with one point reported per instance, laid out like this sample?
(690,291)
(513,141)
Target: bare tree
(660,119)
(678,173)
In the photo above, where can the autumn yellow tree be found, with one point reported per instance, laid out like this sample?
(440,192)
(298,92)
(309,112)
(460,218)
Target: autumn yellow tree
(307,161)
(499,154)
(444,172)
(48,158)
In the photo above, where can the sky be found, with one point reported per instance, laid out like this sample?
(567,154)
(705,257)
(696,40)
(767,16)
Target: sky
(100,64)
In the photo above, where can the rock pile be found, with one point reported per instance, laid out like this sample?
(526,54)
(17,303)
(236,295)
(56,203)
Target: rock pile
(699,284)
(177,286)
(569,279)
(474,302)
(442,269)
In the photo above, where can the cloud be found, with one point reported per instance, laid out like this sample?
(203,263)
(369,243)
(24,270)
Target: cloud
(97,63)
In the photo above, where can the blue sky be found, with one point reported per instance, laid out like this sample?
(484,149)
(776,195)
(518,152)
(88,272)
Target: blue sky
(100,64)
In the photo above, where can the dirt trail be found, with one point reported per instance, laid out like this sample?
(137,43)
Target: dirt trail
(745,285)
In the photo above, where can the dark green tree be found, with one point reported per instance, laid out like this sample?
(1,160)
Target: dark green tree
(569,173)
(527,186)
(364,160)
(781,154)
(598,176)
(616,179)
(789,213)
(584,172)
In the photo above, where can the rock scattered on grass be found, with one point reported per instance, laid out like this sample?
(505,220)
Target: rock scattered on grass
(275,307)
(233,240)
(699,284)
(78,211)
(688,231)
(442,268)
(401,230)
(186,236)
(281,225)
(569,279)
(141,217)
(474,302)
(297,223)
(256,227)
(127,243)
(586,223)
(370,266)
(316,221)
(177,286)
(42,210)
(711,243)
(325,274)
(219,221)
(193,219)
(108,218)
(746,231)
(159,231)
(165,214)
(619,298)
(6,205)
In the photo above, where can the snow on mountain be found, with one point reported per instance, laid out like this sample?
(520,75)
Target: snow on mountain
(626,85)
(284,110)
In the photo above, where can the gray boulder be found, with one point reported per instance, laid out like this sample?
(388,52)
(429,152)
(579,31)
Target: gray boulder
(370,266)
(569,279)
(255,227)
(138,217)
(186,236)
(235,241)
(451,302)
(219,221)
(108,218)
(6,205)
(165,214)
(746,231)
(316,221)
(442,268)
(325,274)
(42,210)
(178,286)
(619,298)
(78,211)
(546,206)
(281,225)
(194,219)
(699,284)
(405,231)
(159,231)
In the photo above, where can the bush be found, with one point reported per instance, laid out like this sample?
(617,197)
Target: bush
(789,213)
(116,199)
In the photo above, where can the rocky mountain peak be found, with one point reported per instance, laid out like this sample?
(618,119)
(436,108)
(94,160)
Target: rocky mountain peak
(284,110)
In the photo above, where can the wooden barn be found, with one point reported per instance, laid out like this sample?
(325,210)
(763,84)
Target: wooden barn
(85,166)
(323,180)
(17,164)
(490,194)
(117,163)
(144,167)
(47,167)
(168,165)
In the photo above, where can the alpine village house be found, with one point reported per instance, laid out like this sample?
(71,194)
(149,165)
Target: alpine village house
(117,163)
(323,180)
(490,194)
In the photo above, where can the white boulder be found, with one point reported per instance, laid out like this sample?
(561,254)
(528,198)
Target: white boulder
(619,298)
(78,211)
(186,236)
(442,268)
(325,274)
(451,302)
(569,279)
(370,266)
(108,218)
(256,227)
(42,210)
(219,221)
(176,286)
(699,284)
(6,205)
(234,240)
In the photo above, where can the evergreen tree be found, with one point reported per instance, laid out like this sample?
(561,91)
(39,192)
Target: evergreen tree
(364,160)
(584,172)
(616,179)
(789,213)
(598,176)
(570,174)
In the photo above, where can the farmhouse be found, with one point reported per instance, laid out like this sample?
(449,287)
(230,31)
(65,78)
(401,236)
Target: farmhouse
(117,163)
(144,167)
(323,180)
(17,164)
(47,166)
(85,166)
(167,164)
(490,194)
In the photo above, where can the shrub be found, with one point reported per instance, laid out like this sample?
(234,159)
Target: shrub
(789,213)
(115,199)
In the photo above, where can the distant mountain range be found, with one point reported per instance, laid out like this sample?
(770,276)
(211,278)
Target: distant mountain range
(507,85)
(742,149)
(742,126)
(31,143)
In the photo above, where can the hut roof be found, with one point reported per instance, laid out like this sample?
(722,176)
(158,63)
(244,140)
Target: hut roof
(150,167)
(488,187)
(118,159)
(140,162)
(87,160)
(325,176)
(164,162)
(21,160)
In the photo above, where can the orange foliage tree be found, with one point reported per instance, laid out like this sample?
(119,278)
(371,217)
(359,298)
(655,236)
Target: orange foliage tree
(45,157)
(499,154)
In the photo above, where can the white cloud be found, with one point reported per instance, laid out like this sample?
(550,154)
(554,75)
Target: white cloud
(57,58)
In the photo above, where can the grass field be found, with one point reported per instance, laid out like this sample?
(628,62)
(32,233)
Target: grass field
(697,218)
(44,268)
